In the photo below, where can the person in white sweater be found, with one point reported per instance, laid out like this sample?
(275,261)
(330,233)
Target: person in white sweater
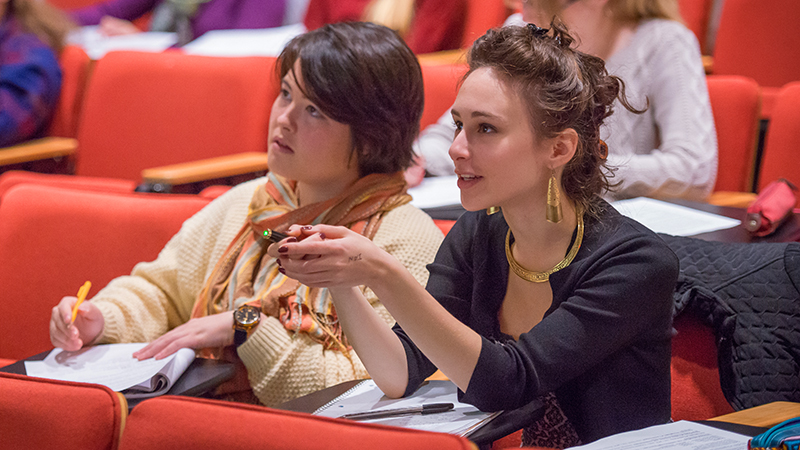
(336,155)
(670,151)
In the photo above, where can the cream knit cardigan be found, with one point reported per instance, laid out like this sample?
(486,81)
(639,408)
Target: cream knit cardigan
(159,296)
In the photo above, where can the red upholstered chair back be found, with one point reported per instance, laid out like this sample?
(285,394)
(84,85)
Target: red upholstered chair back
(444,225)
(152,109)
(72,4)
(781,158)
(759,39)
(15,177)
(58,415)
(696,391)
(441,87)
(74,64)
(481,16)
(214,191)
(695,14)
(53,239)
(735,102)
(183,422)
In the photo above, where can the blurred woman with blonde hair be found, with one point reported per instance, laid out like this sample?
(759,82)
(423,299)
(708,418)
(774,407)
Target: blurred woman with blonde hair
(31,36)
(426,25)
(670,150)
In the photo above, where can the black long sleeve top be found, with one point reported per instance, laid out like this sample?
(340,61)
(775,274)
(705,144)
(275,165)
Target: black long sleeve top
(604,344)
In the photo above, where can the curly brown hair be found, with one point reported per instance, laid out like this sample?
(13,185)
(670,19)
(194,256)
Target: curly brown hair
(562,88)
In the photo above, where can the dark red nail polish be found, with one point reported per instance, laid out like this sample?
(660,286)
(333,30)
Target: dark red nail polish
(307,227)
(322,236)
(278,261)
(291,239)
(282,270)
(283,249)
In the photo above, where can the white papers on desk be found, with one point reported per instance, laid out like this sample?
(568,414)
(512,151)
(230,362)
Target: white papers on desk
(114,366)
(669,218)
(680,435)
(462,420)
(434,192)
(97,44)
(261,42)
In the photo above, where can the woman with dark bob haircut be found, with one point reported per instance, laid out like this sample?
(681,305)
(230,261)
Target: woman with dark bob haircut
(557,297)
(340,135)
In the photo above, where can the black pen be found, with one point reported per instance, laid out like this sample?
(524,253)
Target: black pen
(274,236)
(431,408)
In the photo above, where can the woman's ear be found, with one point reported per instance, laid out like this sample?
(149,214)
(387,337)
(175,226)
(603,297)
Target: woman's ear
(563,148)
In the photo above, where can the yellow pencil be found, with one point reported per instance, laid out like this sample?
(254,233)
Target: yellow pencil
(81,297)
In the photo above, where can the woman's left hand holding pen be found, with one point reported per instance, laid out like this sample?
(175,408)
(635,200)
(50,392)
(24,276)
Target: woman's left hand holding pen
(329,256)
(69,335)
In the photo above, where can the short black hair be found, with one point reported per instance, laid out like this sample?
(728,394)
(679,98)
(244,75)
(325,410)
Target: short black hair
(365,76)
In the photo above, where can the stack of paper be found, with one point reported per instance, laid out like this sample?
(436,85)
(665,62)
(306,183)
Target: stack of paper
(97,44)
(435,192)
(669,218)
(114,366)
(234,43)
(462,420)
(679,435)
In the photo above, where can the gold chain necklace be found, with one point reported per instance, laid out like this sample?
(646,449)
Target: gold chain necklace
(541,277)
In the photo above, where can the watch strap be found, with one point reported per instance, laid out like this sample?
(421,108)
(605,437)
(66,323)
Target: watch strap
(239,336)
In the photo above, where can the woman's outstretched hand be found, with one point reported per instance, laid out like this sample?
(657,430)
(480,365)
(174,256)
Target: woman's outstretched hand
(329,256)
(210,331)
(111,26)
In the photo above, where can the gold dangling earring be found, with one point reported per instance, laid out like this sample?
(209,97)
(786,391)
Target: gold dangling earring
(492,210)
(553,212)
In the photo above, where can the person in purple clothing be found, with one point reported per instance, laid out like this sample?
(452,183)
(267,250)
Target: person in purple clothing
(31,36)
(189,18)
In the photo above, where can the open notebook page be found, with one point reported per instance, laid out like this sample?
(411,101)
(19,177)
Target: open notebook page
(366,396)
(680,435)
(110,365)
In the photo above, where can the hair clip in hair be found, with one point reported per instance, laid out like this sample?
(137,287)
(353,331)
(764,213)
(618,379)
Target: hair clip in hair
(537,31)
(603,150)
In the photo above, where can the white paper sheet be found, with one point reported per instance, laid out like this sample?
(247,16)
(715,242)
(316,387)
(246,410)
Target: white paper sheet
(680,435)
(109,365)
(262,42)
(669,218)
(366,396)
(435,192)
(97,45)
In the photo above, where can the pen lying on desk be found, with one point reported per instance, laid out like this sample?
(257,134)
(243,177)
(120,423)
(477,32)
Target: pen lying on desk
(431,408)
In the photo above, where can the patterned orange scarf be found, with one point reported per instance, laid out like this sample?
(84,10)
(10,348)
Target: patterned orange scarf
(245,274)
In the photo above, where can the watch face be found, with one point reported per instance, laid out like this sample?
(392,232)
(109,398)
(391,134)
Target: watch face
(247,315)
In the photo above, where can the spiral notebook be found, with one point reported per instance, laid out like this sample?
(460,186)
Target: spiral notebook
(462,420)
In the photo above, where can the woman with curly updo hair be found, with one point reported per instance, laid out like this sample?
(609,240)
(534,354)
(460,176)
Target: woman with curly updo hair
(556,297)
(670,151)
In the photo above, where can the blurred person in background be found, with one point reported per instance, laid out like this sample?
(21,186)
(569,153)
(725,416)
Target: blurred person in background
(189,18)
(31,38)
(670,151)
(426,25)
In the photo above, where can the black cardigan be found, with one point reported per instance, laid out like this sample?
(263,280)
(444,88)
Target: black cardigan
(604,344)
